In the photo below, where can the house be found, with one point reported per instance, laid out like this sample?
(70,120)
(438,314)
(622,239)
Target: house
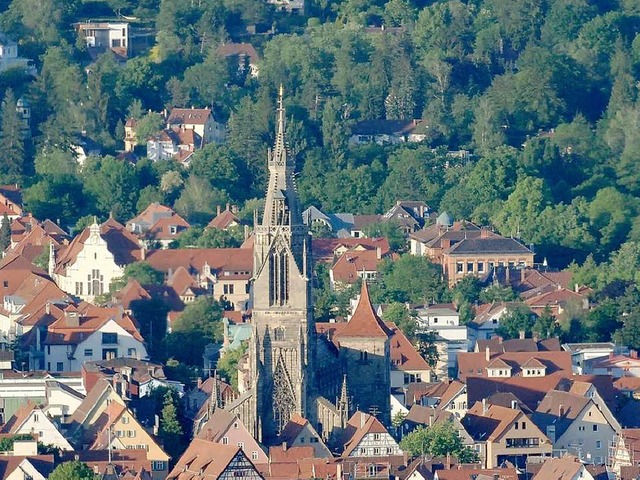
(448,395)
(391,132)
(574,424)
(354,265)
(500,345)
(625,452)
(407,366)
(117,428)
(103,36)
(564,468)
(198,120)
(471,473)
(130,137)
(39,238)
(299,432)
(220,272)
(556,301)
(615,365)
(144,221)
(10,59)
(581,352)
(26,467)
(365,436)
(244,54)
(95,258)
(91,333)
(167,230)
(409,215)
(126,464)
(204,460)
(289,6)
(505,434)
(328,250)
(32,419)
(224,428)
(131,377)
(427,417)
(199,400)
(225,219)
(486,322)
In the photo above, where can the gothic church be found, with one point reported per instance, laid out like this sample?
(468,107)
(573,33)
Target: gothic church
(322,372)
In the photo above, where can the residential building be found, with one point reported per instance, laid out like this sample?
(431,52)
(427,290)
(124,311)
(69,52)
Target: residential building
(198,120)
(574,424)
(95,258)
(225,219)
(91,333)
(130,137)
(328,250)
(365,436)
(505,434)
(581,352)
(126,464)
(354,265)
(624,453)
(10,59)
(204,460)
(26,467)
(32,419)
(473,473)
(391,132)
(220,272)
(615,365)
(408,215)
(150,216)
(224,428)
(103,36)
(118,429)
(564,468)
(486,322)
(290,6)
(299,432)
(244,54)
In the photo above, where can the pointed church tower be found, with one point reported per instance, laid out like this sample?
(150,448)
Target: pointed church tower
(283,361)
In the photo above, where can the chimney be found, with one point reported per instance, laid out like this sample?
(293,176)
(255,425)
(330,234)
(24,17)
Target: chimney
(514,405)
(218,210)
(485,407)
(156,425)
(199,383)
(47,308)
(143,252)
(284,446)
(228,207)
(445,243)
(234,209)
(487,354)
(339,471)
(521,334)
(363,420)
(561,410)
(72,318)
(484,232)
(378,253)
(633,354)
(246,232)
(522,271)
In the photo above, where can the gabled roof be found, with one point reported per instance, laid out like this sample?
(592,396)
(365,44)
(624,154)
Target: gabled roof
(217,425)
(324,248)
(230,49)
(19,417)
(182,282)
(219,259)
(490,424)
(364,322)
(225,219)
(488,245)
(292,429)
(132,292)
(404,355)
(188,116)
(161,230)
(44,464)
(473,364)
(565,468)
(205,460)
(559,409)
(151,215)
(359,425)
(352,262)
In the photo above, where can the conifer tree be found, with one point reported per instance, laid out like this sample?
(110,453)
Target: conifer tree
(170,429)
(12,149)
(5,233)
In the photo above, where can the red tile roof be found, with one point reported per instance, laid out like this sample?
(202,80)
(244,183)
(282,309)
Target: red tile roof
(364,322)
(403,354)
(324,248)
(224,220)
(162,229)
(359,425)
(188,116)
(351,263)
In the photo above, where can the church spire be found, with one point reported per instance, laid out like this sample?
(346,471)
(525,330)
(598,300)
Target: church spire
(214,401)
(343,403)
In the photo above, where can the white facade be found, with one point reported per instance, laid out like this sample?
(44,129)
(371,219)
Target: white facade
(40,424)
(109,341)
(93,270)
(376,445)
(9,57)
(581,352)
(60,401)
(25,471)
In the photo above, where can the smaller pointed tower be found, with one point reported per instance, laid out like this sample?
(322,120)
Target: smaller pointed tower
(52,259)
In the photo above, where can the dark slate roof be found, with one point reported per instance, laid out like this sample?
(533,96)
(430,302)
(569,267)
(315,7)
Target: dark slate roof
(489,245)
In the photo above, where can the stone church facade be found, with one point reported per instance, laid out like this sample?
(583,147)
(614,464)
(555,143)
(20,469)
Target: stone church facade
(292,368)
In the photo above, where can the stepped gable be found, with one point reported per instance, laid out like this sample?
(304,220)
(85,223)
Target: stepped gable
(364,322)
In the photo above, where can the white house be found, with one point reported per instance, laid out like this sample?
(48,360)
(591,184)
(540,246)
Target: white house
(31,419)
(94,333)
(582,352)
(9,57)
(89,264)
(369,438)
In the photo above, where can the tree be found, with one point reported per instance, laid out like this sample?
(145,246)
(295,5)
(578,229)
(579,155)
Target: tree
(171,433)
(203,317)
(144,273)
(228,364)
(12,146)
(390,230)
(114,186)
(439,440)
(148,126)
(546,325)
(467,290)
(410,279)
(209,238)
(427,348)
(515,321)
(404,318)
(74,470)
(197,200)
(5,233)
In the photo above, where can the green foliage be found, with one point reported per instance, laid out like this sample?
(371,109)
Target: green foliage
(144,273)
(228,364)
(410,279)
(427,348)
(5,233)
(6,444)
(12,147)
(389,230)
(171,434)
(546,325)
(439,440)
(74,470)
(404,318)
(516,319)
(197,237)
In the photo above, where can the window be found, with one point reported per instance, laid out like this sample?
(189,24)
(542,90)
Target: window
(131,433)
(301,439)
(157,465)
(598,444)
(515,426)
(35,417)
(389,450)
(480,267)
(131,352)
(278,334)
(313,440)
(173,229)
(59,366)
(469,266)
(228,288)
(435,319)
(595,428)
(235,425)
(5,283)
(581,428)
(364,357)
(254,456)
(109,338)
(88,352)
(225,440)
(376,436)
(524,425)
(376,451)
(240,445)
(522,442)
(79,288)
(459,267)
(125,419)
